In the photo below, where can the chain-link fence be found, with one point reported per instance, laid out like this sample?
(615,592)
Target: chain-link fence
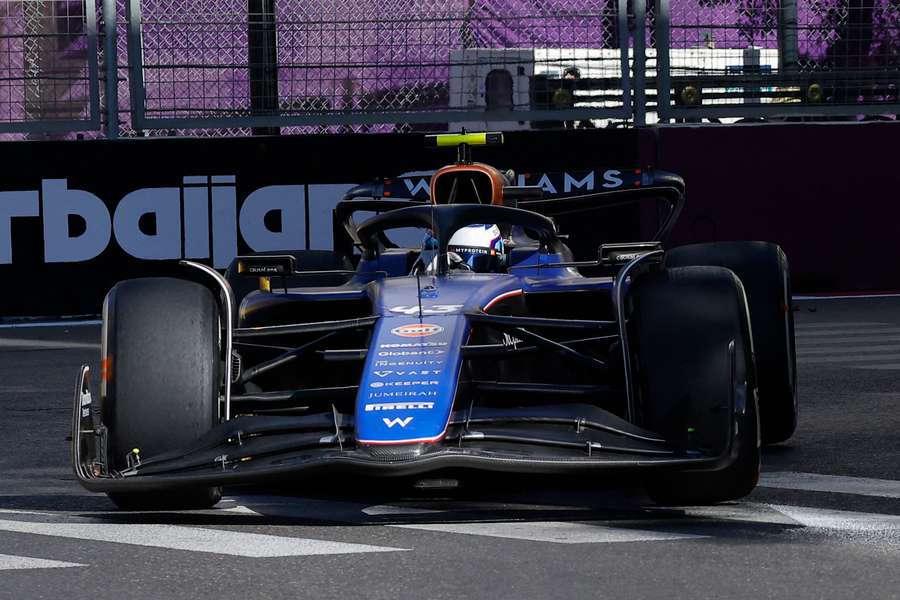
(235,67)
(768,57)
(376,62)
(48,66)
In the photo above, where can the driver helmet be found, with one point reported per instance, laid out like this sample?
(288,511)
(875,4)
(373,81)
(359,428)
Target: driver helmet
(480,247)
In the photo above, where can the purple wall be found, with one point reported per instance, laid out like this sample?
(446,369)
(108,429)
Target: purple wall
(829,194)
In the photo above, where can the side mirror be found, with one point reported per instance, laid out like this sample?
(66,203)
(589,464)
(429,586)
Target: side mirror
(617,255)
(266,266)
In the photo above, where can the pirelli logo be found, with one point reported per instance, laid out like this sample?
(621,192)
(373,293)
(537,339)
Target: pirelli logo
(399,406)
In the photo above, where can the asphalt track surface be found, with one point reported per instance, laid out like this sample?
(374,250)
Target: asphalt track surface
(825,523)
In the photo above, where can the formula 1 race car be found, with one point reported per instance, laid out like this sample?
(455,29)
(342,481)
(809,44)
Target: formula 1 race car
(478,344)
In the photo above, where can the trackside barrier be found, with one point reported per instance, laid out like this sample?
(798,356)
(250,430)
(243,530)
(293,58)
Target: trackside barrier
(232,68)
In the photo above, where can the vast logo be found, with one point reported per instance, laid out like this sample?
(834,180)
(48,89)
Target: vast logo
(417,373)
(397,421)
(417,330)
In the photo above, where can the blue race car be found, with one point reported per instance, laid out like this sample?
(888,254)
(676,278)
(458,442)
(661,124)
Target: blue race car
(479,344)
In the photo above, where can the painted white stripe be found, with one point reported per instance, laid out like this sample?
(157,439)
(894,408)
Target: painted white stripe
(193,539)
(847,297)
(33,324)
(11,343)
(390,509)
(821,360)
(845,350)
(841,520)
(9,562)
(557,532)
(861,486)
(432,507)
(836,520)
(817,343)
(744,513)
(848,331)
(838,325)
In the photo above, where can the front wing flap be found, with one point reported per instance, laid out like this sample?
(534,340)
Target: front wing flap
(257,449)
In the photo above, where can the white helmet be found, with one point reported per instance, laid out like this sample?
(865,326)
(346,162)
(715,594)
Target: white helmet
(480,247)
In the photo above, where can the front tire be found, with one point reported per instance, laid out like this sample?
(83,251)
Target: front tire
(693,361)
(162,377)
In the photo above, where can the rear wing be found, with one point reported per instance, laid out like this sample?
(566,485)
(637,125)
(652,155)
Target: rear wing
(643,186)
(556,195)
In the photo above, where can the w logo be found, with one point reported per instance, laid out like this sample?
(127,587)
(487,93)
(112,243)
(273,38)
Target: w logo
(421,186)
(397,421)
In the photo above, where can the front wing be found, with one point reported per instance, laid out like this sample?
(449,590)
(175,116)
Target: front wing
(251,450)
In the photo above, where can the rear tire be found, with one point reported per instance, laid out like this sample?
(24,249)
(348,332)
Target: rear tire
(693,359)
(161,338)
(763,269)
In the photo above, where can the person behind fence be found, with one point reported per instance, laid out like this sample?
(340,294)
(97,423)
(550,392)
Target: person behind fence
(565,97)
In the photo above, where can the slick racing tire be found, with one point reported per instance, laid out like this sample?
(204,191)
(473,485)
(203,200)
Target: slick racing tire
(695,381)
(162,376)
(763,269)
(307,260)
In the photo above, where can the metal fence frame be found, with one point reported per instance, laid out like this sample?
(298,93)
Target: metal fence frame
(666,110)
(141,121)
(66,125)
(632,64)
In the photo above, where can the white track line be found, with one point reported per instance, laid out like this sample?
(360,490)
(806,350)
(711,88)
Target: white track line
(38,324)
(838,324)
(841,520)
(10,562)
(193,539)
(817,343)
(847,297)
(874,349)
(838,358)
(847,331)
(556,532)
(840,484)
(14,343)
(801,516)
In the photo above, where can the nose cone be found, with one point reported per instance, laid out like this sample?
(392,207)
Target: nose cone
(410,378)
